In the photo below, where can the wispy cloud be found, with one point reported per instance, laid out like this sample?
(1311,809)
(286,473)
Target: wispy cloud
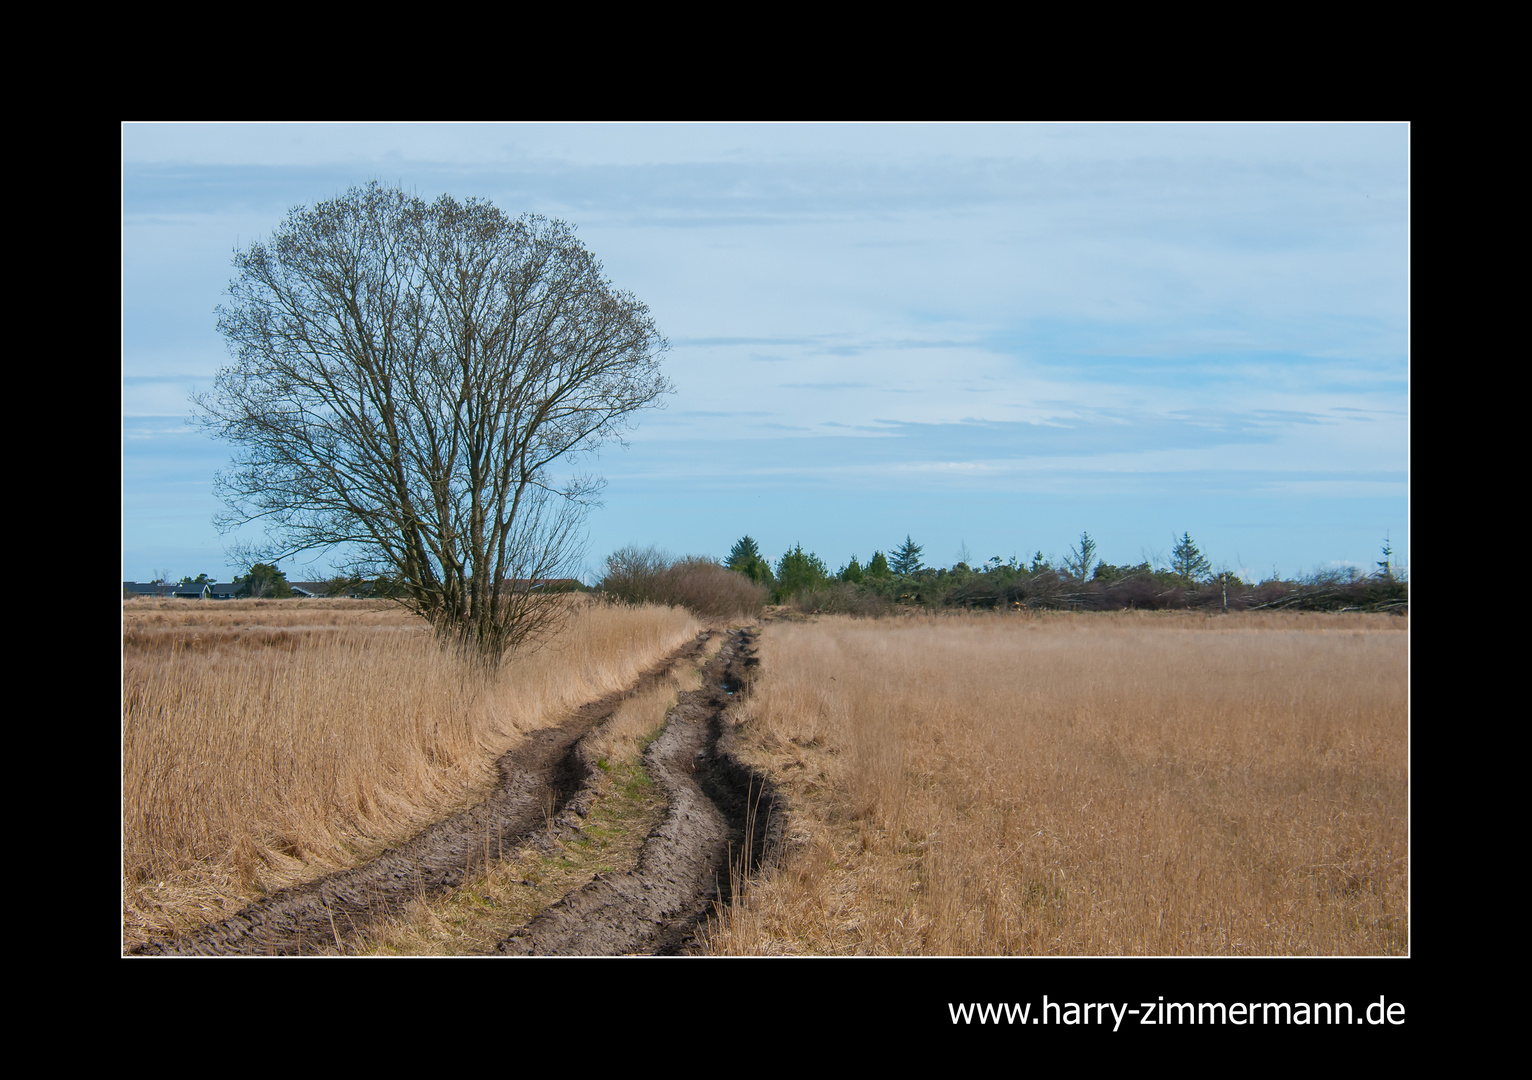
(1062,310)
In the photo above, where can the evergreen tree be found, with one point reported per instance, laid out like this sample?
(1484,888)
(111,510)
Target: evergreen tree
(1080,558)
(264,580)
(745,557)
(906,557)
(743,553)
(851,572)
(1039,564)
(1187,562)
(799,570)
(878,568)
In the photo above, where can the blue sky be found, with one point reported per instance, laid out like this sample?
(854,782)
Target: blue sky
(987,337)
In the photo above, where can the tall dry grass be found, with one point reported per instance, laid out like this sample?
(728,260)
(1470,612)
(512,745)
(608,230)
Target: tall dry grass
(267,742)
(1092,784)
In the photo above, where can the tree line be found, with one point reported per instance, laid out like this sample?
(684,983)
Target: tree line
(1081,580)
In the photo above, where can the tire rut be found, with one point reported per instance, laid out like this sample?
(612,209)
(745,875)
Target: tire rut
(720,812)
(537,779)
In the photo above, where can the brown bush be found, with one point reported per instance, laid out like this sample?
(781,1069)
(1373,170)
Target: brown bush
(839,598)
(706,589)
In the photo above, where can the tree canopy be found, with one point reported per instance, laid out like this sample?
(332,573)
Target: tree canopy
(264,581)
(743,551)
(411,383)
(798,570)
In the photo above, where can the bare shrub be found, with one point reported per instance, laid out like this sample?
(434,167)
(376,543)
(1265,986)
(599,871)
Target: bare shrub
(631,573)
(711,591)
(1140,592)
(706,589)
(839,598)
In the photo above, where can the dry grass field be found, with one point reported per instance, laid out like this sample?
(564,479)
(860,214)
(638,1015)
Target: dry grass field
(265,743)
(1089,784)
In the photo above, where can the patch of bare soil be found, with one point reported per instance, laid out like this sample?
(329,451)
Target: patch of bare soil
(720,826)
(537,780)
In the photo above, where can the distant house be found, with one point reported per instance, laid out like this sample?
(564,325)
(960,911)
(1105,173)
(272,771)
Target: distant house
(226,590)
(152,588)
(566,584)
(210,590)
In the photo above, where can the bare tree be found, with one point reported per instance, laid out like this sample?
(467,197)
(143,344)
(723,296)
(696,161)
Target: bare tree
(407,376)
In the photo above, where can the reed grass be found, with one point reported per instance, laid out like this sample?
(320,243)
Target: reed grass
(265,743)
(1087,784)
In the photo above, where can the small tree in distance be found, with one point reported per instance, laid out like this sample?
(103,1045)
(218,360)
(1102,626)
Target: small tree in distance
(264,582)
(1187,562)
(906,557)
(742,552)
(878,567)
(746,558)
(1081,557)
(799,570)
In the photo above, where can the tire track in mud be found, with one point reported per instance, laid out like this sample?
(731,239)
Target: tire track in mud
(536,779)
(545,786)
(720,813)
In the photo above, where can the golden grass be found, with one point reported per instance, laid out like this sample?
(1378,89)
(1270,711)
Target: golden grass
(1093,784)
(265,743)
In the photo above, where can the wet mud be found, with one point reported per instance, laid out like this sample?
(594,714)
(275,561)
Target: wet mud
(721,824)
(721,818)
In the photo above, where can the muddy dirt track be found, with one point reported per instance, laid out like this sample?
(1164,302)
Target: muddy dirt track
(545,789)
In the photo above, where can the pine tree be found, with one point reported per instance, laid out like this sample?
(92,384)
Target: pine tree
(1081,557)
(852,572)
(1188,562)
(878,567)
(799,570)
(745,557)
(743,552)
(906,557)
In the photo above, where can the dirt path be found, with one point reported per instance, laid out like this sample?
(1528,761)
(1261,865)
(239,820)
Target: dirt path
(685,865)
(544,788)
